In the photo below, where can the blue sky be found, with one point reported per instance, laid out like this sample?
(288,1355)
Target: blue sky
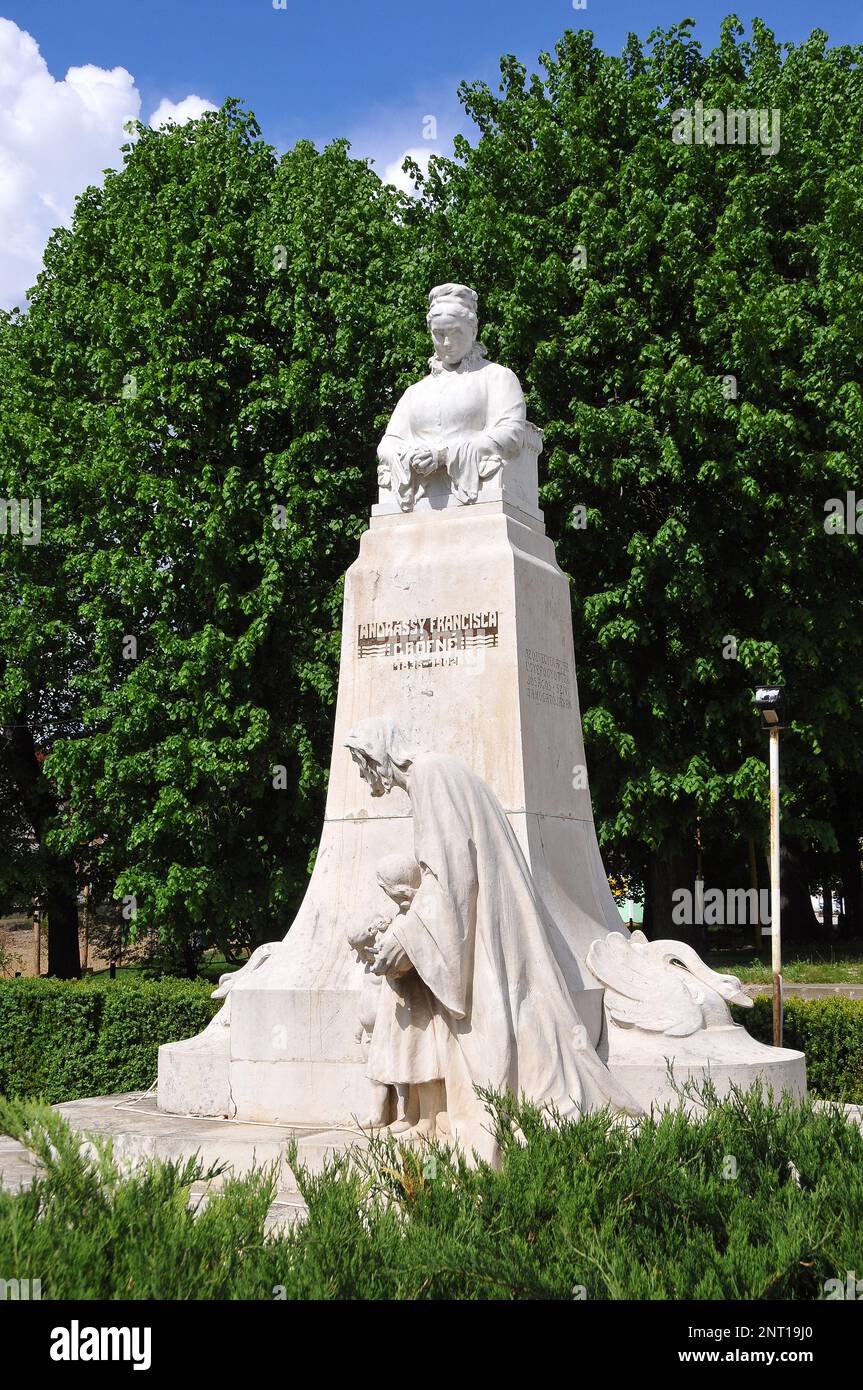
(357,67)
(73,71)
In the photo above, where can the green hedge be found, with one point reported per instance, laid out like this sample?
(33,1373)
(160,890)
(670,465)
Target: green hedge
(829,1031)
(68,1039)
(65,1040)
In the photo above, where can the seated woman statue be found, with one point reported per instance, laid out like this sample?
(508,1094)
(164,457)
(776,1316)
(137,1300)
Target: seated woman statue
(467,416)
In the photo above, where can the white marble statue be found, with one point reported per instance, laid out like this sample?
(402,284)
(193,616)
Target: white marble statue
(466,417)
(662,986)
(457,623)
(398,1014)
(667,1011)
(478,937)
(363,940)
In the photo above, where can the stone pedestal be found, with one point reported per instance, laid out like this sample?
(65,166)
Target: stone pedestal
(656,1070)
(457,628)
(457,625)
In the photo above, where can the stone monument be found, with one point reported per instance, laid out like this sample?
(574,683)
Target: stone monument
(458,704)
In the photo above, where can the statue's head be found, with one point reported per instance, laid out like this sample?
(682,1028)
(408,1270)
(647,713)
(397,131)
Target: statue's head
(362,939)
(453,321)
(400,876)
(379,748)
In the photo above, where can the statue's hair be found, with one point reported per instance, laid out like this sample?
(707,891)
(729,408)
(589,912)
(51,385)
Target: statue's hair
(396,871)
(453,299)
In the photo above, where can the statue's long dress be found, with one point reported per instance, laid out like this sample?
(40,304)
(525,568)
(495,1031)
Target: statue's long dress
(407,1046)
(478,935)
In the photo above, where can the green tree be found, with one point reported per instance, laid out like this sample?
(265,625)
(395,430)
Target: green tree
(194,394)
(625,277)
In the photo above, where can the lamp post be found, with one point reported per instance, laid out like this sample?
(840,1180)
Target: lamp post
(770,700)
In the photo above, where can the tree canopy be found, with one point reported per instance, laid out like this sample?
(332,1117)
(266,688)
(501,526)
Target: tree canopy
(196,389)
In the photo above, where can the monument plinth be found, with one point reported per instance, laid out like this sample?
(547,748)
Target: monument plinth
(457,633)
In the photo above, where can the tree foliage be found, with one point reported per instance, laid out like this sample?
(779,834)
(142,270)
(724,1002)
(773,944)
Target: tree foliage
(196,390)
(625,277)
(193,394)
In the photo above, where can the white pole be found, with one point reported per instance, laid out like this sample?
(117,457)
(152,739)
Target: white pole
(775,909)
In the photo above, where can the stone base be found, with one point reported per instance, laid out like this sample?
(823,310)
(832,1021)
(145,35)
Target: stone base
(457,626)
(728,1057)
(204,1076)
(194,1075)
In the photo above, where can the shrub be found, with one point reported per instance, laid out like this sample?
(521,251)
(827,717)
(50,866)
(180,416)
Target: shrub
(828,1031)
(589,1210)
(68,1039)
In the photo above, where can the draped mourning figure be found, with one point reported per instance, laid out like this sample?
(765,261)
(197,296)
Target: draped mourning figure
(492,998)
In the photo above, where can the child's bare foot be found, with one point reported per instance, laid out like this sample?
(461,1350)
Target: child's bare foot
(399,1126)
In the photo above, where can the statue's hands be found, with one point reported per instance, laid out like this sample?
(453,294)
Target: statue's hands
(391,958)
(424,461)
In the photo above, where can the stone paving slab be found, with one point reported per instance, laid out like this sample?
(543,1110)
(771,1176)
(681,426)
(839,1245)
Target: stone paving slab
(140,1131)
(16,1165)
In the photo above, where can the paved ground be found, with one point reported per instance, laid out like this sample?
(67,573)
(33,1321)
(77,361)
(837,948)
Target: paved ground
(140,1131)
(809,991)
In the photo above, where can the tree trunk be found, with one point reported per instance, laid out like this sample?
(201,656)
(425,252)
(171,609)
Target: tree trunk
(61,906)
(39,805)
(190,959)
(847,825)
(799,923)
(668,870)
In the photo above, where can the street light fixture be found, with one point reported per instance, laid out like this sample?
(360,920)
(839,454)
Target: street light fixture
(770,701)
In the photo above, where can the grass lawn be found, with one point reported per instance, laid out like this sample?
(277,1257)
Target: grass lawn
(809,965)
(814,964)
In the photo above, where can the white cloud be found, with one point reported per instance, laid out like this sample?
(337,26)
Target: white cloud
(388,135)
(56,137)
(393,173)
(189,109)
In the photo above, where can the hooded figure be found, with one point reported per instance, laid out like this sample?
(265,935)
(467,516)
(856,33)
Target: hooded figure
(477,935)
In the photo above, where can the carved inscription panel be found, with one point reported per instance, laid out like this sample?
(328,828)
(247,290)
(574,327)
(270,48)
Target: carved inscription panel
(447,639)
(548,681)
